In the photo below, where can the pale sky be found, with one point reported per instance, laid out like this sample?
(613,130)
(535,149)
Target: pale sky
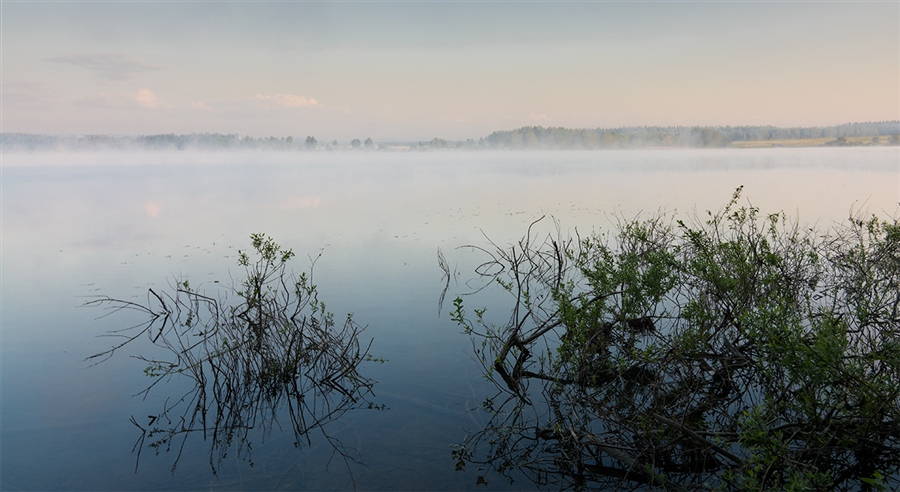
(416,70)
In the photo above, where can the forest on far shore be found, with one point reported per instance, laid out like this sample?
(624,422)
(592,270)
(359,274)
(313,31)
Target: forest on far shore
(718,136)
(524,138)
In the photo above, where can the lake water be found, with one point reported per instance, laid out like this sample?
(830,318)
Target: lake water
(81,225)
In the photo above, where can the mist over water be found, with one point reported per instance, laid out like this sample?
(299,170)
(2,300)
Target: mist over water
(77,225)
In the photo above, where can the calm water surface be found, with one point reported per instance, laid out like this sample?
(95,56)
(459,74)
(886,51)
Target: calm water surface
(79,225)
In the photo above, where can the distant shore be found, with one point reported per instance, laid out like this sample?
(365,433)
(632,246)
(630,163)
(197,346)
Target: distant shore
(816,142)
(525,138)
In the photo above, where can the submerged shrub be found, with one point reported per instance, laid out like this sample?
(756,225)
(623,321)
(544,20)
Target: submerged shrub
(736,351)
(267,348)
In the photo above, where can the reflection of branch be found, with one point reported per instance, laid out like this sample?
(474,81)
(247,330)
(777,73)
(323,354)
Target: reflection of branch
(699,439)
(445,268)
(116,305)
(634,470)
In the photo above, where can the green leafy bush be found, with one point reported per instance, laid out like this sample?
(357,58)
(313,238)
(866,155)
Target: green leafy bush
(736,351)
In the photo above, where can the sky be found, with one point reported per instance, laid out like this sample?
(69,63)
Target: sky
(414,70)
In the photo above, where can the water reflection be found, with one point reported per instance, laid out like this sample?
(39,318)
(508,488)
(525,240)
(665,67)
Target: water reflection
(266,351)
(83,224)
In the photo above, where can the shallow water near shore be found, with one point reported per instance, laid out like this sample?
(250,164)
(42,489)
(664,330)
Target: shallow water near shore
(81,225)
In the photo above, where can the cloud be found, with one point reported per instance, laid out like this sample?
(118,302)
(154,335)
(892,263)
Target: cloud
(108,67)
(19,94)
(302,202)
(147,99)
(106,100)
(144,98)
(288,100)
(153,209)
(199,106)
(537,117)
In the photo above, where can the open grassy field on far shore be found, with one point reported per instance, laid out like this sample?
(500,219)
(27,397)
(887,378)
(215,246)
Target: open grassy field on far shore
(807,142)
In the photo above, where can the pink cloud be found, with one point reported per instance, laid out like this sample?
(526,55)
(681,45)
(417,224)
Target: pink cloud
(146,99)
(288,100)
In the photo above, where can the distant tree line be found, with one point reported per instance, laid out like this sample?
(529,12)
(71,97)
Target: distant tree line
(868,129)
(441,144)
(167,141)
(537,137)
(526,137)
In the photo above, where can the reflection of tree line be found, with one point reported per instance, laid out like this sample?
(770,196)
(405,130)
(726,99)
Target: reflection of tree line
(739,352)
(275,350)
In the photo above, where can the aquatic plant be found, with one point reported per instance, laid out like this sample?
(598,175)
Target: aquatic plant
(266,348)
(734,351)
